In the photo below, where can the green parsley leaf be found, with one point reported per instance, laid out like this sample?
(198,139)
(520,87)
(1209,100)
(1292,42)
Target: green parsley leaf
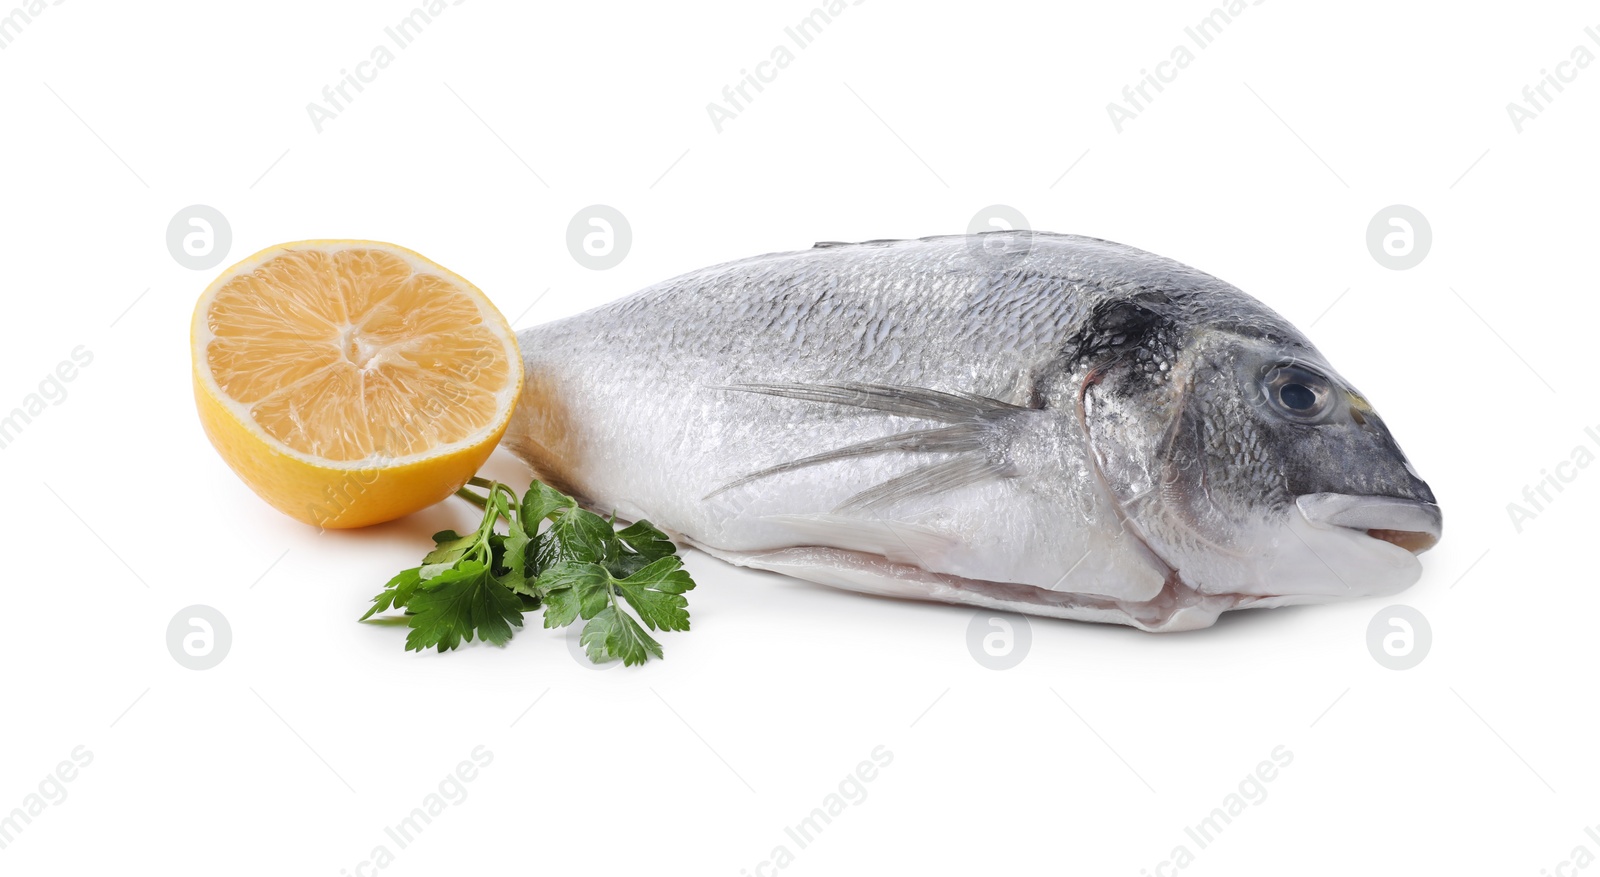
(551,554)
(540,502)
(644,538)
(612,633)
(511,561)
(449,546)
(577,534)
(396,592)
(571,590)
(656,593)
(458,602)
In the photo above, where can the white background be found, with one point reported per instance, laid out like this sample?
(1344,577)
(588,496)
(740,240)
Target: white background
(1262,163)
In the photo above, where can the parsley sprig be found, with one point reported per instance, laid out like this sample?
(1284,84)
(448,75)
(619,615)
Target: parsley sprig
(553,555)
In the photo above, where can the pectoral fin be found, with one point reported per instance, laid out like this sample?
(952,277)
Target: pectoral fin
(974,434)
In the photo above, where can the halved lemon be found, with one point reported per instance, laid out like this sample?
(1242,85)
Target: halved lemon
(351,382)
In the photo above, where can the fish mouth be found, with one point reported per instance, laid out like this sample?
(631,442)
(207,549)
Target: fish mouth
(1410,524)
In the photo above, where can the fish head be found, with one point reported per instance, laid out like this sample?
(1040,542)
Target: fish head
(1248,466)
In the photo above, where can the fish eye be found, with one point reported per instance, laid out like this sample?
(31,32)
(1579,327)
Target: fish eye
(1298,393)
(1297,396)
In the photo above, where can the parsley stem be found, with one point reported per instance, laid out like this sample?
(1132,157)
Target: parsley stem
(473,498)
(482,502)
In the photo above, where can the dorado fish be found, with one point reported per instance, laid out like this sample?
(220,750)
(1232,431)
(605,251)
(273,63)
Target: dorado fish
(1038,423)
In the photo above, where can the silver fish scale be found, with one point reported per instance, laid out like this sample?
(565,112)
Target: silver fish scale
(627,405)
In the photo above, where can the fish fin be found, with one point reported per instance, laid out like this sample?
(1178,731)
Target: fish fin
(898,541)
(864,573)
(957,438)
(934,478)
(889,398)
(973,432)
(1021,233)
